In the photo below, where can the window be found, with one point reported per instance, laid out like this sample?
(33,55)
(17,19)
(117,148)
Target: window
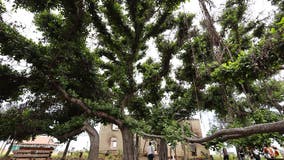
(113,143)
(114,127)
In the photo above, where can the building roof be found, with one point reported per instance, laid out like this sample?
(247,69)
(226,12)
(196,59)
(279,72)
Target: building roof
(41,140)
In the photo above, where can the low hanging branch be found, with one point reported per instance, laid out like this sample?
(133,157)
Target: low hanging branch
(147,135)
(233,133)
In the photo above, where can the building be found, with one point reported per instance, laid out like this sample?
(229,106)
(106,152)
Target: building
(40,142)
(110,139)
(111,142)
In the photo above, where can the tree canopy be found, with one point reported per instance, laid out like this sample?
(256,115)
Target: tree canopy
(117,80)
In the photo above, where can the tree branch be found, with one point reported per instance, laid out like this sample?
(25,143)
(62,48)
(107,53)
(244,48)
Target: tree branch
(75,15)
(167,54)
(88,110)
(152,135)
(90,129)
(87,127)
(214,36)
(116,19)
(104,34)
(159,26)
(70,134)
(13,44)
(209,24)
(233,133)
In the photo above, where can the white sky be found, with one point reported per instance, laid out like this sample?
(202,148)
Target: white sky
(22,17)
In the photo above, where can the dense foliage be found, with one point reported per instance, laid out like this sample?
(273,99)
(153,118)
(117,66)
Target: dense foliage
(96,59)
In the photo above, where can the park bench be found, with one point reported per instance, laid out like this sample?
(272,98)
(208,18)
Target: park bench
(32,154)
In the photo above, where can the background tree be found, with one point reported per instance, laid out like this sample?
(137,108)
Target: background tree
(69,69)
(16,124)
(232,72)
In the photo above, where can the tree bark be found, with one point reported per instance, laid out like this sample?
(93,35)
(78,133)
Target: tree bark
(94,141)
(65,150)
(184,151)
(87,108)
(144,146)
(3,147)
(137,146)
(175,153)
(9,149)
(128,145)
(234,133)
(163,149)
(183,145)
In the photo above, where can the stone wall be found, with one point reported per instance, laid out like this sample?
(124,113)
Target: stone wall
(111,142)
(110,139)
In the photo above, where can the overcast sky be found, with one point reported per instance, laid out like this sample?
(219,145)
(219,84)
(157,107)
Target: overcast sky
(260,8)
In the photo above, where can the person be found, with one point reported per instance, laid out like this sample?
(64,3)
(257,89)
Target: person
(242,154)
(172,158)
(225,154)
(256,154)
(80,155)
(277,153)
(268,152)
(150,151)
(271,152)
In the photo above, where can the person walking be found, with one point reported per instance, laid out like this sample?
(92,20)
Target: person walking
(150,151)
(256,154)
(225,154)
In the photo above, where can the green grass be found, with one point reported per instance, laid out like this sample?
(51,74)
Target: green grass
(75,155)
(70,155)
(219,157)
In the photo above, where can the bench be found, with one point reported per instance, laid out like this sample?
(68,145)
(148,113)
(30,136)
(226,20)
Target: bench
(32,154)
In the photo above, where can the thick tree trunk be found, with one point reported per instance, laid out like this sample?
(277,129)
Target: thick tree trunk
(65,150)
(137,146)
(9,149)
(175,153)
(183,145)
(94,141)
(4,144)
(128,145)
(184,151)
(3,147)
(163,149)
(144,146)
